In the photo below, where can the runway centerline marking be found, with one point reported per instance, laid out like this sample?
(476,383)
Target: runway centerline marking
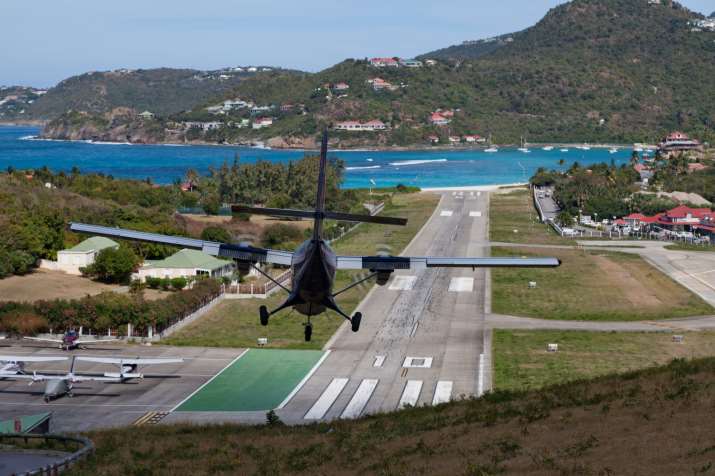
(475,214)
(443,392)
(461,285)
(362,395)
(402,283)
(417,362)
(326,400)
(446,213)
(410,394)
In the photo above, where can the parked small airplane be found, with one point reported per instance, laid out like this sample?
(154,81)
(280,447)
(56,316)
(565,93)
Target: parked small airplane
(11,365)
(127,367)
(314,263)
(71,340)
(59,385)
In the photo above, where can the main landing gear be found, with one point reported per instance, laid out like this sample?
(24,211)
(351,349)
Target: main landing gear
(263,311)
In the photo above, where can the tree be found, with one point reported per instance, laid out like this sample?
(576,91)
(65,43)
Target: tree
(216,233)
(113,265)
(564,218)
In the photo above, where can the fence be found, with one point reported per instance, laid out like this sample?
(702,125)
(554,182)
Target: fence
(263,290)
(22,441)
(373,211)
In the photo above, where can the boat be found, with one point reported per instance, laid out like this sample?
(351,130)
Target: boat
(613,150)
(523,147)
(548,148)
(564,150)
(491,148)
(585,147)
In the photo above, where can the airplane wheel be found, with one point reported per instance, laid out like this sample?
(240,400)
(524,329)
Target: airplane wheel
(356,321)
(47,399)
(308,332)
(263,311)
(70,395)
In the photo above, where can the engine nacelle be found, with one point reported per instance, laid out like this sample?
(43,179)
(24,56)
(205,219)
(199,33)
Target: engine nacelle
(383,277)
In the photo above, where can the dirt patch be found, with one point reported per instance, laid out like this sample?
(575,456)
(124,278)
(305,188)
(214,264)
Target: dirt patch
(633,289)
(44,284)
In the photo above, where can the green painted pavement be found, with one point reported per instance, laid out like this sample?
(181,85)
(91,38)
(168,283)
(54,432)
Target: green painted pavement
(260,380)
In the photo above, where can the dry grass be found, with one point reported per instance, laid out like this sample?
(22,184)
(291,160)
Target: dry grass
(515,211)
(522,362)
(591,285)
(46,285)
(657,421)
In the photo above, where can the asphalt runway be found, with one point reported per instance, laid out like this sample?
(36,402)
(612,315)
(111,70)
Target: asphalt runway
(101,404)
(422,339)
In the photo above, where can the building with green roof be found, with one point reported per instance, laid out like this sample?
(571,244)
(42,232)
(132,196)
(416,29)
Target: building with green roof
(80,255)
(185,263)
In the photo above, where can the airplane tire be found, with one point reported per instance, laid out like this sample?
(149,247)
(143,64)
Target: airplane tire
(263,311)
(308,332)
(355,321)
(47,399)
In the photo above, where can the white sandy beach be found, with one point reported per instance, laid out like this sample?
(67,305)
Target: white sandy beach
(474,188)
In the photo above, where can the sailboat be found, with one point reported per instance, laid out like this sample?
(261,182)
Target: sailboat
(564,150)
(491,148)
(523,147)
(613,150)
(548,148)
(585,147)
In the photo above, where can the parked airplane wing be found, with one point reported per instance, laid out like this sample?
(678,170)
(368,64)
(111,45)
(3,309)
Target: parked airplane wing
(27,358)
(95,341)
(42,339)
(391,263)
(74,378)
(137,361)
(223,250)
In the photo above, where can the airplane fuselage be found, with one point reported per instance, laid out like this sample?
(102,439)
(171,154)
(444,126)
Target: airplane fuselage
(314,265)
(57,388)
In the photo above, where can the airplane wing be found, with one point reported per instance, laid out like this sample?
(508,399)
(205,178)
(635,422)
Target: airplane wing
(138,361)
(89,342)
(42,339)
(73,378)
(26,358)
(391,263)
(223,250)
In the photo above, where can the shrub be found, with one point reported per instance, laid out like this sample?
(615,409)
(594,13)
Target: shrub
(113,265)
(153,282)
(178,283)
(165,284)
(216,233)
(281,234)
(22,322)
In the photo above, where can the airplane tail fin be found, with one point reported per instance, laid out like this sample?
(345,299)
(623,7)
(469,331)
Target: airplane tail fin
(319,214)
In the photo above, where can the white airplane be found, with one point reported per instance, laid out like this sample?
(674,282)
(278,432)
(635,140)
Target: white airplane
(127,367)
(59,385)
(71,340)
(11,365)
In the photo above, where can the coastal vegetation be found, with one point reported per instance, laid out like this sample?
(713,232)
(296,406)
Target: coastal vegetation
(582,427)
(590,286)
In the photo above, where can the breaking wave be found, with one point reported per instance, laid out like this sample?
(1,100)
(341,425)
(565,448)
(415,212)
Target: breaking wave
(416,162)
(363,168)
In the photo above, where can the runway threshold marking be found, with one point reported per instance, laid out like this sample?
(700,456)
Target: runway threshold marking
(443,392)
(362,395)
(461,285)
(402,283)
(379,360)
(475,214)
(410,394)
(445,213)
(326,400)
(417,362)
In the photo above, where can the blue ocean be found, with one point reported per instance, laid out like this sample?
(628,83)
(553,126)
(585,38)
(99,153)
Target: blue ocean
(165,164)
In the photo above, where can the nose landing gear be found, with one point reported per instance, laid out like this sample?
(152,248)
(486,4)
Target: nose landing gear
(308,330)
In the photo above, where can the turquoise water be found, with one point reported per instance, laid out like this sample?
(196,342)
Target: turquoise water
(165,164)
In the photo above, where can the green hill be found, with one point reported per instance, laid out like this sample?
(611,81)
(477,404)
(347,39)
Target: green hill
(470,50)
(590,70)
(656,421)
(162,90)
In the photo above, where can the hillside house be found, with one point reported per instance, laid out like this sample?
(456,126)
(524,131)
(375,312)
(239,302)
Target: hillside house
(471,139)
(433,139)
(455,139)
(374,125)
(261,122)
(411,63)
(341,87)
(437,119)
(430,62)
(204,126)
(677,142)
(147,115)
(79,256)
(185,264)
(384,62)
(355,126)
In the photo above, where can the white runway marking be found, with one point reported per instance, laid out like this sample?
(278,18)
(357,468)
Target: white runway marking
(417,362)
(446,213)
(443,392)
(379,360)
(410,394)
(326,400)
(403,283)
(471,194)
(475,214)
(360,399)
(461,285)
(209,380)
(305,379)
(454,194)
(479,194)
(480,383)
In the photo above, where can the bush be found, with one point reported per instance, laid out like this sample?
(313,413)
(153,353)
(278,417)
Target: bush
(216,233)
(179,283)
(281,234)
(153,282)
(113,265)
(165,283)
(22,322)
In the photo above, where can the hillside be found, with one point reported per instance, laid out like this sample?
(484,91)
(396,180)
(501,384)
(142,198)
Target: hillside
(590,70)
(469,50)
(162,90)
(15,101)
(656,421)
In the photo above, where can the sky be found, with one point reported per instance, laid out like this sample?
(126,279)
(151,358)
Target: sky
(45,41)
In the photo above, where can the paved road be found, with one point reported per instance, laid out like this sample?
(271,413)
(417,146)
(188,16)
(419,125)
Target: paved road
(431,315)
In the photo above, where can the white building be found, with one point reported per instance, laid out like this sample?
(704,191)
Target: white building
(184,264)
(79,256)
(261,122)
